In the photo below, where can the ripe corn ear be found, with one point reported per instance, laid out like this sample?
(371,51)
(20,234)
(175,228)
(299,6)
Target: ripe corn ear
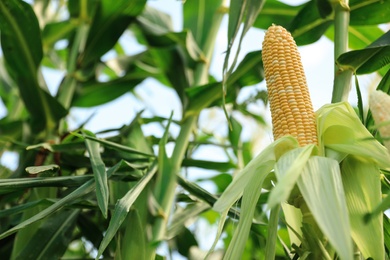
(380,109)
(291,108)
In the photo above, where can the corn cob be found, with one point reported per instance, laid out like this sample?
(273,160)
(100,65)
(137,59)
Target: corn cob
(291,108)
(380,109)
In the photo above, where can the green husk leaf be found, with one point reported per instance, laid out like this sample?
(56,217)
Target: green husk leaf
(259,167)
(247,184)
(321,186)
(341,132)
(362,188)
(288,169)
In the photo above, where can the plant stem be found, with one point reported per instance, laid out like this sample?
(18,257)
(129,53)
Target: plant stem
(342,79)
(182,141)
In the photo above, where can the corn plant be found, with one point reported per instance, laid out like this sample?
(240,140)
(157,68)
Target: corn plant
(318,191)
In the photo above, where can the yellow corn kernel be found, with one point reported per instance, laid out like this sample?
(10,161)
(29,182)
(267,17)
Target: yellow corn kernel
(380,109)
(291,108)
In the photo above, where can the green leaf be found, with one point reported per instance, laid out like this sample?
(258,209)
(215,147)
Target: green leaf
(272,233)
(100,175)
(322,189)
(185,240)
(133,244)
(369,12)
(251,193)
(109,22)
(53,32)
(359,37)
(362,188)
(244,11)
(198,16)
(52,238)
(181,217)
(308,26)
(154,21)
(234,135)
(367,60)
(118,147)
(122,208)
(80,192)
(324,8)
(249,72)
(341,130)
(20,37)
(97,93)
(20,208)
(22,48)
(258,168)
(184,39)
(275,12)
(288,169)
(210,165)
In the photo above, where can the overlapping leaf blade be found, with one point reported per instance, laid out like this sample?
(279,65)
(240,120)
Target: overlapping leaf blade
(342,131)
(369,59)
(100,175)
(362,186)
(122,208)
(322,188)
(21,42)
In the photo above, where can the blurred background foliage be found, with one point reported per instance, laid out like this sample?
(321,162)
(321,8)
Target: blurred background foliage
(124,192)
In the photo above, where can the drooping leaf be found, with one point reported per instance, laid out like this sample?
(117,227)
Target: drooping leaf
(83,190)
(198,17)
(97,93)
(122,208)
(322,189)
(275,12)
(247,183)
(369,12)
(272,233)
(361,182)
(246,12)
(100,175)
(248,72)
(52,238)
(288,169)
(22,48)
(342,131)
(369,59)
(359,37)
(308,25)
(258,168)
(109,22)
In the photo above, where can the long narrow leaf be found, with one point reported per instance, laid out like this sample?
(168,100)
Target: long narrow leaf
(321,187)
(122,208)
(259,167)
(52,238)
(78,193)
(272,234)
(100,174)
(362,187)
(288,169)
